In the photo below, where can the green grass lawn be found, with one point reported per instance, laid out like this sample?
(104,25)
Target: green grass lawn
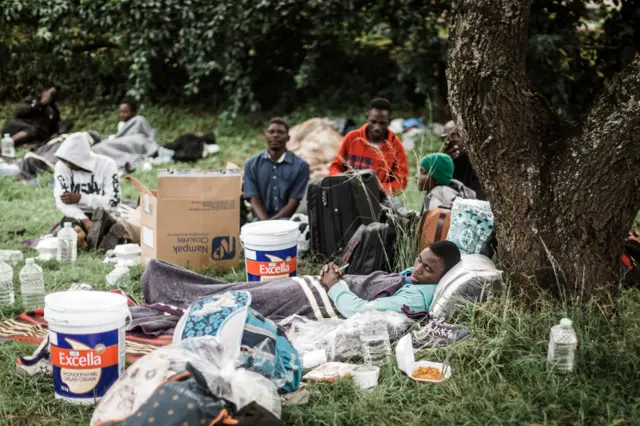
(499,375)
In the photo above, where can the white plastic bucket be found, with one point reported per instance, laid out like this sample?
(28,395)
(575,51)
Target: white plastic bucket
(87,342)
(270,249)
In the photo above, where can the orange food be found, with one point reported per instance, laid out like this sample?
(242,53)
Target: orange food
(427,373)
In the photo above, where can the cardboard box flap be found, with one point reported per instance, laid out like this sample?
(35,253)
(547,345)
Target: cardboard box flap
(139,187)
(196,184)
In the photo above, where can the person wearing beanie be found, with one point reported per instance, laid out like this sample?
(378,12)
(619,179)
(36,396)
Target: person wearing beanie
(436,177)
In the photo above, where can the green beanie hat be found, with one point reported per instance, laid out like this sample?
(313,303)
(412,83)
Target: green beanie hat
(439,166)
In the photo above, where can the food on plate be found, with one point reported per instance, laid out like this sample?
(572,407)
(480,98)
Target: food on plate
(428,373)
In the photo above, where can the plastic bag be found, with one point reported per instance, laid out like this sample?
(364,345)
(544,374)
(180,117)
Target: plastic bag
(471,225)
(340,338)
(208,356)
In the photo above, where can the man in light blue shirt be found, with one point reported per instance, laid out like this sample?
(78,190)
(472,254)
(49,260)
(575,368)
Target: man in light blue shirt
(421,282)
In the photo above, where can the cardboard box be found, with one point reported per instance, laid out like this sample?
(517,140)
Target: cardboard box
(192,219)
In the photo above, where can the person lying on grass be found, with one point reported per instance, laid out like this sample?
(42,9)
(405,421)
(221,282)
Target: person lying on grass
(436,177)
(330,295)
(417,293)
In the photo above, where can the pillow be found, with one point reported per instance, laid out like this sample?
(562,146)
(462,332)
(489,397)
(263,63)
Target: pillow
(469,280)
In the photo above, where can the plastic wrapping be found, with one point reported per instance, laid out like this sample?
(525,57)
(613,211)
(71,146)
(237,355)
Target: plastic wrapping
(205,354)
(340,338)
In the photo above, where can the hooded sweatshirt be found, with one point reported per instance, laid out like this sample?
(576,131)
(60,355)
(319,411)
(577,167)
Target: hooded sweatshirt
(98,181)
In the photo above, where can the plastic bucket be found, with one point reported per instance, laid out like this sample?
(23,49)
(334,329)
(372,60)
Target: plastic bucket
(270,249)
(87,342)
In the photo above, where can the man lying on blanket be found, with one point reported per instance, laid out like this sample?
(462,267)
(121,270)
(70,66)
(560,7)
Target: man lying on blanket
(167,287)
(416,294)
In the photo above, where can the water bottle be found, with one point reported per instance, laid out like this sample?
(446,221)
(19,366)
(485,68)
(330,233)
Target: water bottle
(67,244)
(6,283)
(8,146)
(375,342)
(32,284)
(562,346)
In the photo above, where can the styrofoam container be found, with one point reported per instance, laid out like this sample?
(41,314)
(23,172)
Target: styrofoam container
(366,376)
(127,254)
(407,362)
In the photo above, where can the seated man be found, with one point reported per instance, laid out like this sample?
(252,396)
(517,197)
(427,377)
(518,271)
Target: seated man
(436,177)
(463,171)
(134,141)
(36,120)
(87,185)
(375,147)
(275,180)
(410,292)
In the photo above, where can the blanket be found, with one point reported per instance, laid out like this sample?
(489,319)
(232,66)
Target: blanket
(131,145)
(177,288)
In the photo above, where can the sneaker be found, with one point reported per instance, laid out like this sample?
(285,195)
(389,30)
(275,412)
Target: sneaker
(437,334)
(112,238)
(102,223)
(37,364)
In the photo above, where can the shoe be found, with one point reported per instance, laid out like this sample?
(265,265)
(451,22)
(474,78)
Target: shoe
(37,364)
(438,334)
(102,223)
(112,238)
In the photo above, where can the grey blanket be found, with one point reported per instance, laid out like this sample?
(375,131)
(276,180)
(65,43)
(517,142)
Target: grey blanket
(165,283)
(132,144)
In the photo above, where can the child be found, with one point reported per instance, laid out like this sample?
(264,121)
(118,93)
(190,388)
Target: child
(436,177)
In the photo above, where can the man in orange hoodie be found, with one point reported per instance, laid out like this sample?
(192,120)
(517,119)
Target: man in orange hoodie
(375,147)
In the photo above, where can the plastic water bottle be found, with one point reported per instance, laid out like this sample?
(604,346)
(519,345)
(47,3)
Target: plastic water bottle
(32,284)
(8,146)
(6,283)
(562,346)
(67,244)
(375,342)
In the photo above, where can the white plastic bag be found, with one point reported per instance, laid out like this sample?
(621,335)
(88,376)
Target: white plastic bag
(207,355)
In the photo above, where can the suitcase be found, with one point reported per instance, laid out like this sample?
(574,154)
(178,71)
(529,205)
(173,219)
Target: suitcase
(338,205)
(434,226)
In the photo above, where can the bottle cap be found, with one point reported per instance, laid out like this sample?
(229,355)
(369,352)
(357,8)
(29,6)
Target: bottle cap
(566,323)
(7,135)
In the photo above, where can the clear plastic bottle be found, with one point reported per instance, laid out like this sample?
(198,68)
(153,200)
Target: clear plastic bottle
(6,283)
(374,337)
(563,343)
(8,146)
(67,244)
(32,285)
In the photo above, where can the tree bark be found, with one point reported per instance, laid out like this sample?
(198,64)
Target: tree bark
(564,195)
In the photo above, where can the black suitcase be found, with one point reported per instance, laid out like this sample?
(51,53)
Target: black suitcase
(338,205)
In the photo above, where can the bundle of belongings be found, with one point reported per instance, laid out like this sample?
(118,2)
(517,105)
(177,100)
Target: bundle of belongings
(316,141)
(225,358)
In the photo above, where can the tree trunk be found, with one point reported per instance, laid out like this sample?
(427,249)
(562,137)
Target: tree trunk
(564,195)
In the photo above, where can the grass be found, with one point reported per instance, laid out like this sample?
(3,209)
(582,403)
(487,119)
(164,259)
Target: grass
(499,375)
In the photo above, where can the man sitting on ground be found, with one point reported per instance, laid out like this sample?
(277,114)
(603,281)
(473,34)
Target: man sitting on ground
(375,147)
(436,177)
(275,180)
(463,171)
(36,120)
(133,143)
(87,185)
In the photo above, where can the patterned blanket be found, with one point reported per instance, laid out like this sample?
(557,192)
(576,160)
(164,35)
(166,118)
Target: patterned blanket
(31,327)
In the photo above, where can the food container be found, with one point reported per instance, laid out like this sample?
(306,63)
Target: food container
(366,376)
(127,254)
(408,364)
(118,275)
(330,372)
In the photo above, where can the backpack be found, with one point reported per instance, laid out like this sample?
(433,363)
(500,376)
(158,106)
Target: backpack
(372,248)
(190,147)
(631,261)
(433,226)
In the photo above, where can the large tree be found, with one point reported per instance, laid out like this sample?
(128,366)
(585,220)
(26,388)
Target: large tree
(564,194)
